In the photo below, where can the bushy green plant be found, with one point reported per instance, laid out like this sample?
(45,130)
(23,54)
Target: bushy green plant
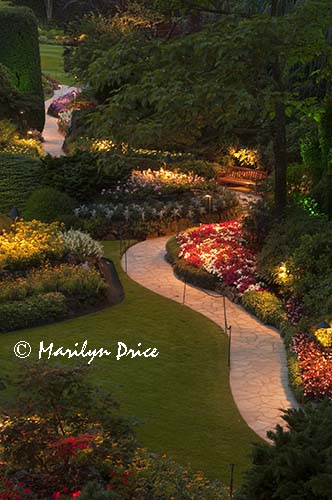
(19,176)
(48,204)
(298,466)
(32,311)
(266,306)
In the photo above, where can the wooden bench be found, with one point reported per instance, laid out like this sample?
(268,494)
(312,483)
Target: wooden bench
(238,176)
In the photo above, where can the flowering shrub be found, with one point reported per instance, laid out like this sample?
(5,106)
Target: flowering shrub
(29,244)
(81,245)
(324,336)
(64,120)
(220,250)
(315,364)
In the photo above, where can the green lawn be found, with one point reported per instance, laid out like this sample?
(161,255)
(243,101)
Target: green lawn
(182,398)
(52,63)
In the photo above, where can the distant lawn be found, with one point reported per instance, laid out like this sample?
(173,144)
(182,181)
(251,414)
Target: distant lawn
(182,399)
(52,63)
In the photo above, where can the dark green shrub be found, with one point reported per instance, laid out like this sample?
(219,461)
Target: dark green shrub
(48,204)
(19,176)
(298,466)
(32,311)
(19,52)
(76,175)
(266,306)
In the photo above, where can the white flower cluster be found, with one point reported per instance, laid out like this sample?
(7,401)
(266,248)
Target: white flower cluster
(81,245)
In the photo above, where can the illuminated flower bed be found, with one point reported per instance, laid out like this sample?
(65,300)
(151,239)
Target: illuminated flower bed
(41,274)
(315,365)
(219,249)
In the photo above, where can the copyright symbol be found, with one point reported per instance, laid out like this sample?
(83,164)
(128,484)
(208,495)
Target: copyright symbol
(22,349)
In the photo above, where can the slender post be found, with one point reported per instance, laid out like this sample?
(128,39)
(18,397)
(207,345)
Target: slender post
(231,483)
(184,293)
(126,258)
(229,345)
(225,313)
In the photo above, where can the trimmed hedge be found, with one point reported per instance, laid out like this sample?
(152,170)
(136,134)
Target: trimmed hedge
(33,311)
(19,52)
(19,176)
(186,272)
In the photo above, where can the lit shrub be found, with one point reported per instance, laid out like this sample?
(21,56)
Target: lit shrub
(266,306)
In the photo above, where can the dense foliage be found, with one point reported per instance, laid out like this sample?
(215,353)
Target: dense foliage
(298,466)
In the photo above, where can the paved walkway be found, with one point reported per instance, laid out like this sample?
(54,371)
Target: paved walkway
(53,139)
(258,377)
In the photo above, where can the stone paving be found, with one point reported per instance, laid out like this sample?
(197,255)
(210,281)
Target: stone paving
(258,376)
(53,139)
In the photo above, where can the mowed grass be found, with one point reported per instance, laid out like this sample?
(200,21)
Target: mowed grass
(52,63)
(181,399)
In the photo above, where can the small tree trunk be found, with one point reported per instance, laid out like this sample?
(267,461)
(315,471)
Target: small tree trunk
(49,9)
(280,159)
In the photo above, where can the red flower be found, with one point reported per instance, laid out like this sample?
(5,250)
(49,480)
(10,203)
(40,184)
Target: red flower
(76,494)
(56,495)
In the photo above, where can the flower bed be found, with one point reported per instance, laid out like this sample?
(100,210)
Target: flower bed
(315,365)
(42,276)
(219,249)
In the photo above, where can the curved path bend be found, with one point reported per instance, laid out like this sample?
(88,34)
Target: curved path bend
(53,139)
(258,375)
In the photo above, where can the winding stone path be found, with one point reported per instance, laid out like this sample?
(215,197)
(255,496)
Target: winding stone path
(53,139)
(258,376)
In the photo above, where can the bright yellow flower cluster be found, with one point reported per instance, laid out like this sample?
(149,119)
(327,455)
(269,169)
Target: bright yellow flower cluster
(30,242)
(324,336)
